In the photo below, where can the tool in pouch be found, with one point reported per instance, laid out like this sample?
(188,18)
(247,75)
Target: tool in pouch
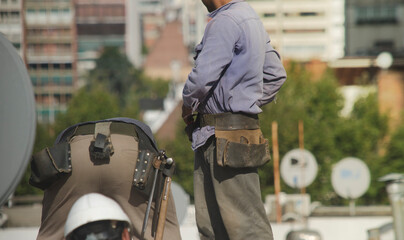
(158,166)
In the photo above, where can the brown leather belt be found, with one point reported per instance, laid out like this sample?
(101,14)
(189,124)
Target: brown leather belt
(229,121)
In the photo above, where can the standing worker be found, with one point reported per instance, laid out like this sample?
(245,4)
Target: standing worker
(236,72)
(113,157)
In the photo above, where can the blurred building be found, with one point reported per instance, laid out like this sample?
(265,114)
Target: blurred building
(99,23)
(194,19)
(304,29)
(50,54)
(11,22)
(169,57)
(373,26)
(152,21)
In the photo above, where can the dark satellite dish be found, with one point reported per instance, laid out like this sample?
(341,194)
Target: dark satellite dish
(17,118)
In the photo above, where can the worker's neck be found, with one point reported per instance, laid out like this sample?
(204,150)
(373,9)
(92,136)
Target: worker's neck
(217,4)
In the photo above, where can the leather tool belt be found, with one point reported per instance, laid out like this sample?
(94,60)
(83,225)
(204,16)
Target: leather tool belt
(89,129)
(229,121)
(239,140)
(51,163)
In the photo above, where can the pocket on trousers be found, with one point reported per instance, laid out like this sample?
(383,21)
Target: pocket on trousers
(50,164)
(241,155)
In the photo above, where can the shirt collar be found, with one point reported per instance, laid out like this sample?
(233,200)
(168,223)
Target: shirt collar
(222,8)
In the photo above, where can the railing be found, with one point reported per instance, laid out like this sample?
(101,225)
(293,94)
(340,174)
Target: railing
(381,232)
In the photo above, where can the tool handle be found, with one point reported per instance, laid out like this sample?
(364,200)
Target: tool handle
(163,209)
(146,217)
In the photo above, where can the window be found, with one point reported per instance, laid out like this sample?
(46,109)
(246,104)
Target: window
(44,66)
(384,45)
(319,30)
(32,66)
(267,15)
(307,14)
(376,14)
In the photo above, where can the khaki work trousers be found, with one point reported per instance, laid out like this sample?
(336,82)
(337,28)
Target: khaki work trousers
(228,201)
(113,180)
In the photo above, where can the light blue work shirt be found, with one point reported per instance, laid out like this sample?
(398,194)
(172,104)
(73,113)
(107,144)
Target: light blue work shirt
(236,69)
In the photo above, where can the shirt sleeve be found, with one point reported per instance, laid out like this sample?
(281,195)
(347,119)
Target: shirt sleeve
(218,45)
(274,75)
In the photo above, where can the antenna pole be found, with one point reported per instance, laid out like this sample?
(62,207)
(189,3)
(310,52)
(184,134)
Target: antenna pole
(301,146)
(275,147)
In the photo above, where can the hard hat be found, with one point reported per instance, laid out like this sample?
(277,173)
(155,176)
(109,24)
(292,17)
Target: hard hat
(93,207)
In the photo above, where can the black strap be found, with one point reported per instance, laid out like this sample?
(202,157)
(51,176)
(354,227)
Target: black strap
(144,141)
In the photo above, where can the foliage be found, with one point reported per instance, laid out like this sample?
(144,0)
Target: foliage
(317,104)
(329,136)
(114,72)
(361,136)
(42,139)
(88,106)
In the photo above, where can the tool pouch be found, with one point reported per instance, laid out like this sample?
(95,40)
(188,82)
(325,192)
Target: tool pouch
(144,173)
(144,170)
(241,148)
(101,149)
(50,164)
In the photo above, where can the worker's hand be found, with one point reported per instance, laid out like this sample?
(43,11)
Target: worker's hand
(189,129)
(187,115)
(189,120)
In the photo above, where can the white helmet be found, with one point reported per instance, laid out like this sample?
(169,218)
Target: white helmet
(93,207)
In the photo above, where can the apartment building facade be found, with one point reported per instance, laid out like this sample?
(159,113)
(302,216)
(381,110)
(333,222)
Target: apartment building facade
(374,26)
(304,29)
(50,54)
(11,22)
(99,23)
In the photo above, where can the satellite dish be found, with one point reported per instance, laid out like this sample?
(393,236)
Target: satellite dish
(181,200)
(384,60)
(350,178)
(298,168)
(17,118)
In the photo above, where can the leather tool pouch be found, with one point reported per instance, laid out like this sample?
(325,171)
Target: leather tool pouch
(144,170)
(101,149)
(50,164)
(241,148)
(143,176)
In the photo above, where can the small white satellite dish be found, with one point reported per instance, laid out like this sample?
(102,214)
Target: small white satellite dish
(384,60)
(298,168)
(17,118)
(181,200)
(350,178)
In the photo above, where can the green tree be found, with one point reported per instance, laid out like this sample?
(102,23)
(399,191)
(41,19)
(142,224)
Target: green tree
(328,135)
(317,104)
(42,139)
(361,135)
(114,71)
(88,106)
